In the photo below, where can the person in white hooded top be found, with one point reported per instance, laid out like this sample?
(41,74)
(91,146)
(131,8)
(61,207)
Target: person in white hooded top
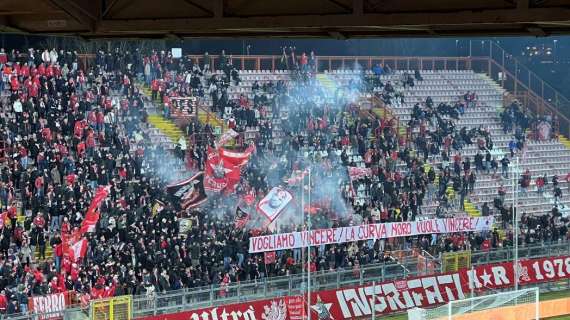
(53,56)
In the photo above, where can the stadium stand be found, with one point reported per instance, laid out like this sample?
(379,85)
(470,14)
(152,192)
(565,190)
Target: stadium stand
(68,132)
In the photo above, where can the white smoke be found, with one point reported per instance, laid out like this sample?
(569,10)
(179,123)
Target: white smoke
(164,165)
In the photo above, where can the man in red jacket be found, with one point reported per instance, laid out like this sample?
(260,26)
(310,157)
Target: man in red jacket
(3,56)
(154,85)
(14,83)
(3,302)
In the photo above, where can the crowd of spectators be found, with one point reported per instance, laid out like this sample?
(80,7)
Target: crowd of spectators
(523,124)
(67,129)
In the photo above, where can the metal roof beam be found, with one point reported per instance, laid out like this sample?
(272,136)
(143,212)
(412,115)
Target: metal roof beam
(76,12)
(198,6)
(109,8)
(341,5)
(358,7)
(459,18)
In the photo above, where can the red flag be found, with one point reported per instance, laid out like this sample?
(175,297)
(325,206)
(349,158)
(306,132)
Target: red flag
(296,177)
(269,257)
(312,209)
(3,218)
(220,174)
(78,250)
(90,221)
(238,159)
(92,215)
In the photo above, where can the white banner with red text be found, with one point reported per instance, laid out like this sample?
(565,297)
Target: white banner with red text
(50,306)
(318,237)
(388,296)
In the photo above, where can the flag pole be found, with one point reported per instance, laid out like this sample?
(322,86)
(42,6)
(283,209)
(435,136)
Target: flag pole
(309,254)
(305,229)
(373,300)
(515,223)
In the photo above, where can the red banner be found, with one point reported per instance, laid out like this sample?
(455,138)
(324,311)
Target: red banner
(270,309)
(220,173)
(50,306)
(427,291)
(390,296)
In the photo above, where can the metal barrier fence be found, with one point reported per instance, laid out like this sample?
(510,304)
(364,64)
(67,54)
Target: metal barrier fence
(189,299)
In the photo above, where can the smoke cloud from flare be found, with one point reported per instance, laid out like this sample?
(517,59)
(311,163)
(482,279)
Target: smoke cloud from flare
(164,165)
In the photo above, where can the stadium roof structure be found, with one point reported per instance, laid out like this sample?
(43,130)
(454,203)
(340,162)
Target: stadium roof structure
(340,19)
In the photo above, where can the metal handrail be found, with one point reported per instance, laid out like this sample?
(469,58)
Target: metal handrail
(293,284)
(531,74)
(523,80)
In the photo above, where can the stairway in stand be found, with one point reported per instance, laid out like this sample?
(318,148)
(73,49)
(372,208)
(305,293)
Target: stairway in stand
(170,127)
(207,117)
(166,126)
(565,141)
(470,208)
(327,83)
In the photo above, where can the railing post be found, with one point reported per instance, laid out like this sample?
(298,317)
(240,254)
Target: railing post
(338,279)
(258,63)
(529,81)
(242,63)
(549,250)
(516,75)
(542,95)
(330,64)
(421,63)
(445,64)
(155,298)
(211,294)
(408,64)
(503,69)
(316,64)
(272,63)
